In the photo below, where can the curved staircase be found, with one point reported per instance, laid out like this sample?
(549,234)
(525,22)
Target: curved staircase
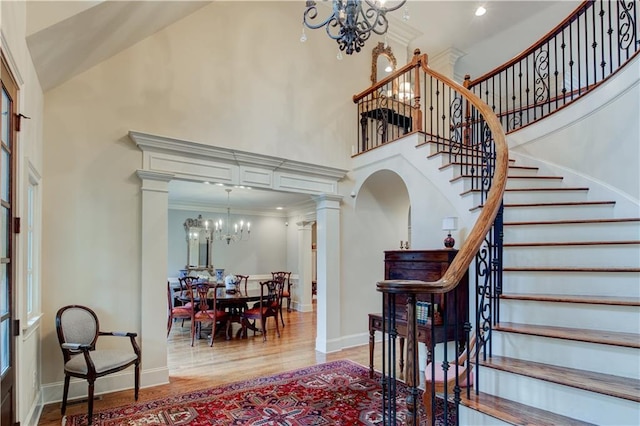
(566,347)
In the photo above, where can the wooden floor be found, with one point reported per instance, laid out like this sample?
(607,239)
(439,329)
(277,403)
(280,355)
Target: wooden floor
(201,366)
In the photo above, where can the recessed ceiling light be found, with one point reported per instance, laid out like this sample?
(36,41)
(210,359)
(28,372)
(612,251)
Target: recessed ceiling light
(206,182)
(220,184)
(480,11)
(279,208)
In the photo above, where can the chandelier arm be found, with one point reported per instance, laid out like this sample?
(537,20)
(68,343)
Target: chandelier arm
(311,14)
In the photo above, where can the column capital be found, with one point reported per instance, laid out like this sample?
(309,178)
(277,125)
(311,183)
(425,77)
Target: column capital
(305,224)
(328,201)
(158,176)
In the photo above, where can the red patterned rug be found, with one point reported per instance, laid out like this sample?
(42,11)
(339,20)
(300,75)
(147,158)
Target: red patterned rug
(335,393)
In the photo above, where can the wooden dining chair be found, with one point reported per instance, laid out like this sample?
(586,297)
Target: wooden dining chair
(437,383)
(242,282)
(203,314)
(268,306)
(186,284)
(286,292)
(182,312)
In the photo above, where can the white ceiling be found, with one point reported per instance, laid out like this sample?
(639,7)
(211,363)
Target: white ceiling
(66,38)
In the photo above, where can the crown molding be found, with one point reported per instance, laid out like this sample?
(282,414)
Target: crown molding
(155,143)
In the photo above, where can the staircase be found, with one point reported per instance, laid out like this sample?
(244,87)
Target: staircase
(566,349)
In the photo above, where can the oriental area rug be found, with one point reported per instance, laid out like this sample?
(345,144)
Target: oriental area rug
(334,393)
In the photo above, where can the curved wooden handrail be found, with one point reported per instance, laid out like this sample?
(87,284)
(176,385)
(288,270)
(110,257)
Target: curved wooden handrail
(534,46)
(463,259)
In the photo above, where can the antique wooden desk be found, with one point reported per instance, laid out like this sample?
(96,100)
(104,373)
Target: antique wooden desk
(425,265)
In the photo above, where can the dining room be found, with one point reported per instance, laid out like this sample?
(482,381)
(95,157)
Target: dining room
(218,233)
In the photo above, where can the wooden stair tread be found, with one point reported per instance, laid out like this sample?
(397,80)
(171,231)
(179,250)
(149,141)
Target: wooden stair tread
(561,204)
(604,337)
(514,412)
(605,384)
(510,167)
(561,298)
(567,269)
(552,204)
(574,221)
(462,176)
(572,243)
(576,188)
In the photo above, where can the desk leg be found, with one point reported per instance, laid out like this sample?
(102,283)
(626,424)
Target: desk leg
(372,343)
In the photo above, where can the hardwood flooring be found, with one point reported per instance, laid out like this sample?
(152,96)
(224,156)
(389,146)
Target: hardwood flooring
(201,366)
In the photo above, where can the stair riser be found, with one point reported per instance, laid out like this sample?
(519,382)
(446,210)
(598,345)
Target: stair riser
(621,256)
(606,359)
(622,284)
(615,231)
(532,182)
(549,196)
(571,402)
(528,197)
(470,416)
(519,214)
(575,315)
(523,183)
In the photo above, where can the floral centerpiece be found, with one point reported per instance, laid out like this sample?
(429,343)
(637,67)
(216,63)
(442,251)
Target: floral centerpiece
(231,283)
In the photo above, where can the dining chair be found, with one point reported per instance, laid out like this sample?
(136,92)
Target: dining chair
(242,282)
(286,292)
(186,284)
(203,314)
(436,383)
(78,330)
(176,311)
(268,306)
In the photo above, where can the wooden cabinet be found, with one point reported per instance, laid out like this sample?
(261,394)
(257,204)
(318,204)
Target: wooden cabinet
(428,265)
(453,307)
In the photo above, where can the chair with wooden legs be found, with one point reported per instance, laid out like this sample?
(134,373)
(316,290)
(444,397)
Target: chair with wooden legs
(286,292)
(269,306)
(203,314)
(435,384)
(78,330)
(182,312)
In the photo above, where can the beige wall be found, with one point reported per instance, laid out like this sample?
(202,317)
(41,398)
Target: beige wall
(192,81)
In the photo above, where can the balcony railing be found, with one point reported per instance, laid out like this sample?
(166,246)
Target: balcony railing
(583,51)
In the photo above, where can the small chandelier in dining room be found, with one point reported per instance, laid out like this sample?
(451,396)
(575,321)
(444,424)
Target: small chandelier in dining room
(224,231)
(352,21)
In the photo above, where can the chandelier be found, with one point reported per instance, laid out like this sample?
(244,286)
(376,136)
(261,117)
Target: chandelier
(351,22)
(224,231)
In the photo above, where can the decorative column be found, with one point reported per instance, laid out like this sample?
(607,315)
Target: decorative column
(153,262)
(304,297)
(328,250)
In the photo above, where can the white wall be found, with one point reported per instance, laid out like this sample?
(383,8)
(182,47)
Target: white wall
(29,157)
(264,252)
(260,91)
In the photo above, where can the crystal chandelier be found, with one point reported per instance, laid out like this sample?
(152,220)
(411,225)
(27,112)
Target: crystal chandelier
(352,21)
(224,231)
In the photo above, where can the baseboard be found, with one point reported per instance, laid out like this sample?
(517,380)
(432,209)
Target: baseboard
(52,392)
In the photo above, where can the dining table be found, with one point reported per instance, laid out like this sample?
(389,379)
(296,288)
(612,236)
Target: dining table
(234,302)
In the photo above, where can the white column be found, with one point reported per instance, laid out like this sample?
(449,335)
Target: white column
(328,249)
(303,297)
(153,260)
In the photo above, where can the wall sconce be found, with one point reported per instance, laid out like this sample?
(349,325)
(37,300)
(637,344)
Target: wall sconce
(404,245)
(449,224)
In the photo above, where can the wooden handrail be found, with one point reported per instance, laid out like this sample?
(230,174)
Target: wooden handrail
(463,259)
(534,46)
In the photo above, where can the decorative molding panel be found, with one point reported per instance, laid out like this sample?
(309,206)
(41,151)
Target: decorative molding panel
(192,161)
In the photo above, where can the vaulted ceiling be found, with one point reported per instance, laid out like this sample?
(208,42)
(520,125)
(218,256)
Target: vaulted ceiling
(66,38)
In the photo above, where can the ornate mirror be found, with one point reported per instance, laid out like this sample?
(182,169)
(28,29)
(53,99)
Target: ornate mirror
(382,62)
(199,244)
